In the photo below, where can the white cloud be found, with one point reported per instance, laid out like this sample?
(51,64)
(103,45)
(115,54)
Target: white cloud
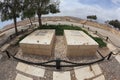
(116,1)
(75,8)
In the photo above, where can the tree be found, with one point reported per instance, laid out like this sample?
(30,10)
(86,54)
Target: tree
(94,17)
(28,10)
(40,7)
(11,10)
(115,23)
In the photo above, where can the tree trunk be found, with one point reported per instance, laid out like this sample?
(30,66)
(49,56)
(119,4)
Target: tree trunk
(30,21)
(15,24)
(39,19)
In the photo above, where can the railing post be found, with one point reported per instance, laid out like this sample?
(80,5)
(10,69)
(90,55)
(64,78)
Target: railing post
(88,28)
(72,25)
(58,66)
(35,25)
(22,30)
(107,38)
(8,54)
(59,24)
(108,58)
(96,32)
(10,37)
(46,24)
(83,26)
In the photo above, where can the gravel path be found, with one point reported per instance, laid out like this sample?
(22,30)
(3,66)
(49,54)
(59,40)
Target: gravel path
(60,48)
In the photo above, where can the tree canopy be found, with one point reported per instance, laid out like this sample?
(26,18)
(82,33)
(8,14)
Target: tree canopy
(40,7)
(94,17)
(115,23)
(10,9)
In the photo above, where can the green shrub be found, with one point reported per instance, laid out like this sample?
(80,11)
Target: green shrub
(100,41)
(21,38)
(60,29)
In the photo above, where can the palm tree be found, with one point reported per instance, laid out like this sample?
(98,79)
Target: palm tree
(11,10)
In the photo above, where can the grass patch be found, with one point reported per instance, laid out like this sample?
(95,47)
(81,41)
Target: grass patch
(100,42)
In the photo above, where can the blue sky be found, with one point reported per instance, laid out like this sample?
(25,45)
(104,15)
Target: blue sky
(108,4)
(104,9)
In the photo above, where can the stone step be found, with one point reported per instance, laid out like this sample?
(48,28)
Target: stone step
(31,70)
(22,77)
(84,73)
(111,47)
(94,72)
(61,75)
(118,58)
(100,78)
(96,69)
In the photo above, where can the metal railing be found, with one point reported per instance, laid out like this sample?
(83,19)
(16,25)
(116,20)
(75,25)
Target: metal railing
(58,62)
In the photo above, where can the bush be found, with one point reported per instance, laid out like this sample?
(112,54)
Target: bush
(100,41)
(21,38)
(60,29)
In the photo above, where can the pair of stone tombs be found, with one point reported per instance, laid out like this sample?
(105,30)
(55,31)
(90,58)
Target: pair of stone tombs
(42,42)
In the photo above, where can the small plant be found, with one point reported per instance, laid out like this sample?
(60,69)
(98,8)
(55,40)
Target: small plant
(100,42)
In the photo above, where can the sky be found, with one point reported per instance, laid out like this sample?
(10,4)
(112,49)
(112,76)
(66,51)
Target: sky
(103,9)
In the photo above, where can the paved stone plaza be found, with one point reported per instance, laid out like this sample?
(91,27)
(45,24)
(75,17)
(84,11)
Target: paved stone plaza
(13,70)
(82,73)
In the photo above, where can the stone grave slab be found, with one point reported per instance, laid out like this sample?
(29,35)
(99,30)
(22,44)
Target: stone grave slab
(79,44)
(39,42)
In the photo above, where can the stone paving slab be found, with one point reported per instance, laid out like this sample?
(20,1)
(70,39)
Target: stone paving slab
(22,77)
(61,75)
(118,58)
(100,78)
(84,73)
(111,47)
(35,71)
(96,69)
